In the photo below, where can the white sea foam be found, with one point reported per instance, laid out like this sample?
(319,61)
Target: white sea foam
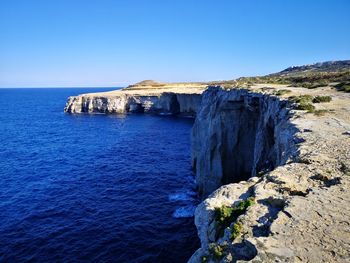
(184,196)
(184,211)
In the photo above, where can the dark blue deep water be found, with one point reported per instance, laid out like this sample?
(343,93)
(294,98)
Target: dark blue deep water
(92,188)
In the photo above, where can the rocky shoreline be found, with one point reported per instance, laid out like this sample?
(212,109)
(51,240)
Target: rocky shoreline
(275,180)
(164,100)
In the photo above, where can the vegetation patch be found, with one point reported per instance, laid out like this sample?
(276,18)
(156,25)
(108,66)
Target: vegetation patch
(309,80)
(282,92)
(304,102)
(236,230)
(320,112)
(306,106)
(311,85)
(309,76)
(215,252)
(303,99)
(343,86)
(205,258)
(319,99)
(226,215)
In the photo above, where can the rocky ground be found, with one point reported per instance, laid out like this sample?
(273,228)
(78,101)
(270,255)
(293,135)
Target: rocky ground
(300,212)
(152,88)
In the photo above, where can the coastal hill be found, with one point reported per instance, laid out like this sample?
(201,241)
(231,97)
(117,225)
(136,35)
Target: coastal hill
(328,66)
(308,76)
(148,83)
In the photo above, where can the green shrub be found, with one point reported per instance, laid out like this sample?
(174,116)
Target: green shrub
(313,85)
(216,251)
(282,92)
(343,86)
(235,231)
(304,102)
(306,106)
(303,99)
(225,215)
(246,203)
(319,99)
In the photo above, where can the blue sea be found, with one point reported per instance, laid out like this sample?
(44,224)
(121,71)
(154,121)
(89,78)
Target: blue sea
(92,188)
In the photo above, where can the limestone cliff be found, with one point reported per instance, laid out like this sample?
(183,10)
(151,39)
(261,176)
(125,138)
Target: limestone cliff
(237,134)
(172,99)
(166,103)
(285,176)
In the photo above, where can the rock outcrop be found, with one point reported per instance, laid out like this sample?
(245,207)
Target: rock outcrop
(238,134)
(294,165)
(166,103)
(157,99)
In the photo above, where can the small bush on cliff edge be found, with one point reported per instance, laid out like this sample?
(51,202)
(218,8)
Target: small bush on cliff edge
(282,92)
(304,102)
(303,99)
(306,106)
(236,230)
(319,99)
(204,259)
(215,252)
(343,86)
(226,215)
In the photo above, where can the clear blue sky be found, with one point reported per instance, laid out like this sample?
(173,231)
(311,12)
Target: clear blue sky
(114,43)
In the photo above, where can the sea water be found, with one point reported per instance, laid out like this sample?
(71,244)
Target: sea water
(92,188)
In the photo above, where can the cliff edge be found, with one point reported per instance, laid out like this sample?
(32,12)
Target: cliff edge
(283,159)
(144,97)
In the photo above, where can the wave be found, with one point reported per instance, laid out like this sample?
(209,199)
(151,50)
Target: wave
(184,211)
(184,196)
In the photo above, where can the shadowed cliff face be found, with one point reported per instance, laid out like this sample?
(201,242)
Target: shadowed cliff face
(236,135)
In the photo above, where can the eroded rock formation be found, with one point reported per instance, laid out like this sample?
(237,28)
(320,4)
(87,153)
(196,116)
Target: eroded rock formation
(172,100)
(237,134)
(294,165)
(165,103)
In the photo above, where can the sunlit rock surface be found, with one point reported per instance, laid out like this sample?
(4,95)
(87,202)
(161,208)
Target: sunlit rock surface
(145,97)
(296,166)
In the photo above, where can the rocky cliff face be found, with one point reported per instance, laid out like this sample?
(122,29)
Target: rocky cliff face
(275,181)
(238,134)
(122,102)
(281,179)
